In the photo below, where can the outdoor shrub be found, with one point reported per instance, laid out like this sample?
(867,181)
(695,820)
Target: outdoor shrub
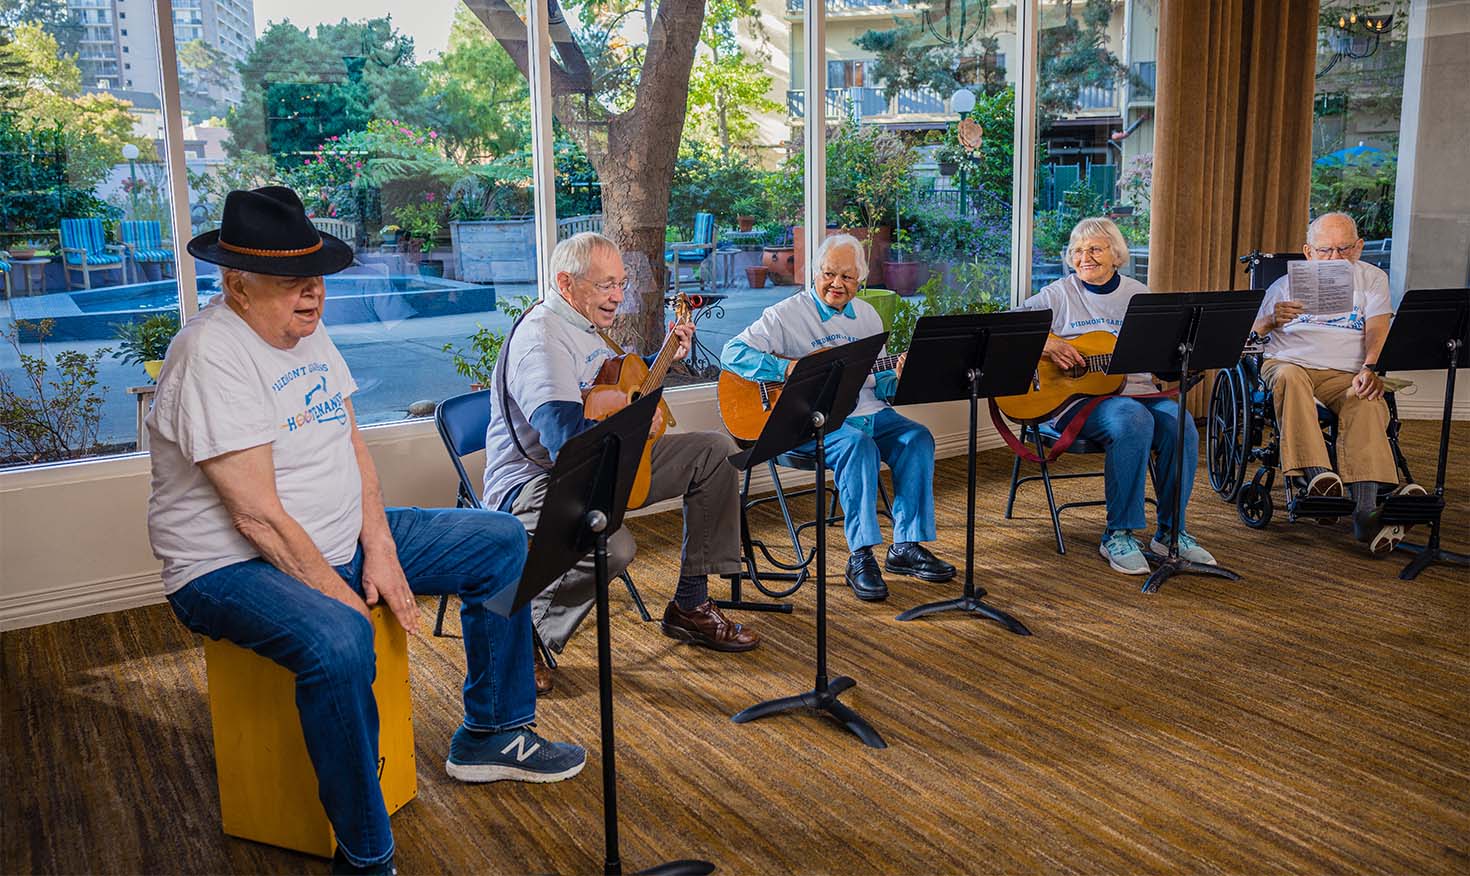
(52,409)
(145,341)
(476,362)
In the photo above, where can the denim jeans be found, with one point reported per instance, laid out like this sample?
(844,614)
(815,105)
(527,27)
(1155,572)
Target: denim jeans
(1130,429)
(469,553)
(853,456)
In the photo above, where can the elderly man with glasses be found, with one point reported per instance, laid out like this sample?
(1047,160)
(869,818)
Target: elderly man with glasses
(829,314)
(1332,357)
(552,356)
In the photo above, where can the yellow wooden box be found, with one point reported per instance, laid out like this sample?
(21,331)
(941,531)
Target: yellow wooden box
(267,788)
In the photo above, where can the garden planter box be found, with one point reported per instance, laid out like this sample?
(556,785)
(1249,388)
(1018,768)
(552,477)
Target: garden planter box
(494,250)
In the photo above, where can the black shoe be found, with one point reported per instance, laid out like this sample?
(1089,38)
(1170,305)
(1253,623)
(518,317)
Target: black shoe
(864,578)
(340,865)
(914,560)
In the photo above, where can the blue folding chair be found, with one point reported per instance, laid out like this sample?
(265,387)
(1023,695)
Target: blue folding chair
(693,253)
(462,421)
(84,248)
(143,239)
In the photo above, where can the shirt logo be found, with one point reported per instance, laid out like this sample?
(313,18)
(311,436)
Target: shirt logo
(320,408)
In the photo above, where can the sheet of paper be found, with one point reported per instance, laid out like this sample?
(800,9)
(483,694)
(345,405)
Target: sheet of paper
(1322,285)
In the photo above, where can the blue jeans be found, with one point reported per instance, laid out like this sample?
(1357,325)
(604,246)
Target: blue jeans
(472,554)
(1130,429)
(853,456)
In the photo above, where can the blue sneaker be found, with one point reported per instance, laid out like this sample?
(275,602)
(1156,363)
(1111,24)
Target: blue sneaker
(1121,551)
(1189,549)
(519,755)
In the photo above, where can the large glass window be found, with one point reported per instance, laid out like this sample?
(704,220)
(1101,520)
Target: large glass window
(408,137)
(1355,117)
(86,238)
(920,151)
(1095,70)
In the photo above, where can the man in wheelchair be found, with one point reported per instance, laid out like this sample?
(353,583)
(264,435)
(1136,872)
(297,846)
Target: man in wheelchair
(1332,357)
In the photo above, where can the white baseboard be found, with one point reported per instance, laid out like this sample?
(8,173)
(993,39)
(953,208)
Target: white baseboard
(1414,408)
(80,600)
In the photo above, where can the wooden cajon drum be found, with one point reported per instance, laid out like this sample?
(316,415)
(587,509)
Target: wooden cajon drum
(267,787)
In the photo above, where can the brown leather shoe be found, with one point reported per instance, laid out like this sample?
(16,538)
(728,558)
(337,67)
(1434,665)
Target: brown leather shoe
(708,627)
(544,681)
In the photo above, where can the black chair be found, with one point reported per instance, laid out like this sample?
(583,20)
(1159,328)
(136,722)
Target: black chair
(795,572)
(462,421)
(1042,438)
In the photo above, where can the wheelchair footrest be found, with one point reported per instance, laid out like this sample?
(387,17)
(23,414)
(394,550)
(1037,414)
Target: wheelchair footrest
(1412,509)
(1319,506)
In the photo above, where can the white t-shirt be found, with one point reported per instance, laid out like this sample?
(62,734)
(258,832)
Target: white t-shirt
(793,328)
(1076,311)
(553,355)
(222,389)
(1329,340)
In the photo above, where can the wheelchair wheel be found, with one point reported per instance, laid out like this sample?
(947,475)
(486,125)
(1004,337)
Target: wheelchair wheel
(1254,504)
(1228,435)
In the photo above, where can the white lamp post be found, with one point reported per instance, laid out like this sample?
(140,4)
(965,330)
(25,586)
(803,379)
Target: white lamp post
(962,101)
(130,152)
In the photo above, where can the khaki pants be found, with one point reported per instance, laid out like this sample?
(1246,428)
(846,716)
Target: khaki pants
(1363,453)
(693,465)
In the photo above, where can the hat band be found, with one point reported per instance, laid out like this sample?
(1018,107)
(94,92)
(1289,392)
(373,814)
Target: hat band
(270,253)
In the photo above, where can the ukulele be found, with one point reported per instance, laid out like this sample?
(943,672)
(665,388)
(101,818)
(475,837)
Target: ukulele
(1053,387)
(746,404)
(624,379)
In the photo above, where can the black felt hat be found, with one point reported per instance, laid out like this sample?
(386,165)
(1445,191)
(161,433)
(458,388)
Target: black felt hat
(266,231)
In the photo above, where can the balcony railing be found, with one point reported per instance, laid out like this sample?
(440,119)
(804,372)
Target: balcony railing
(862,103)
(853,5)
(1096,97)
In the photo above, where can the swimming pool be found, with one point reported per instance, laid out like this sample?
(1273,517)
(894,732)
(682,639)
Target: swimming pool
(351,298)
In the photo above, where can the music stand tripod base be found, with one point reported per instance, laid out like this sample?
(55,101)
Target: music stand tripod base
(1168,565)
(821,699)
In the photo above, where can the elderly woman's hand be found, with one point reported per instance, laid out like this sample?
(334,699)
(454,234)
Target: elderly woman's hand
(1063,354)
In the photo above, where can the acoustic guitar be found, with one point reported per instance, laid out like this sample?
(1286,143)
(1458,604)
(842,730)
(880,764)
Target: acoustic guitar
(1053,388)
(624,379)
(745,404)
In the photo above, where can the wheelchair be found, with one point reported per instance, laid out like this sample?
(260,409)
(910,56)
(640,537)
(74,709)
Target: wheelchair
(1242,431)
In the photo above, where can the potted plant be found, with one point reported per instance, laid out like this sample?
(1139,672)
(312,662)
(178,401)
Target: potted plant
(745,211)
(145,343)
(476,362)
(902,269)
(421,220)
(948,159)
(755,275)
(390,235)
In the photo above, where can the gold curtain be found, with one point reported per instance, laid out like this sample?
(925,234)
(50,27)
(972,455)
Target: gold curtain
(1232,142)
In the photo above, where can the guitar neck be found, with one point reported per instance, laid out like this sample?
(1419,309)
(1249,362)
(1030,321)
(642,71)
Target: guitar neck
(1099,362)
(884,363)
(660,367)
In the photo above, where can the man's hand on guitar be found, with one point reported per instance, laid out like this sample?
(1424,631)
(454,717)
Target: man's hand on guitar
(1063,354)
(685,332)
(898,366)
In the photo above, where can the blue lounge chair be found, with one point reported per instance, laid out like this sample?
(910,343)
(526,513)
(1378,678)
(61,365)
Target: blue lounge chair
(143,239)
(84,248)
(692,253)
(5,269)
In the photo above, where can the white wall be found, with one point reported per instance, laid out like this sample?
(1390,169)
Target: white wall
(74,538)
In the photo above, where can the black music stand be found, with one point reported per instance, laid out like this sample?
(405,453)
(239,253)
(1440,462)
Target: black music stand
(969,356)
(1431,330)
(819,394)
(585,501)
(1177,335)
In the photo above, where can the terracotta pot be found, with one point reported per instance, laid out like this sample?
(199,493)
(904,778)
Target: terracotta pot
(877,250)
(745,223)
(780,262)
(755,275)
(903,277)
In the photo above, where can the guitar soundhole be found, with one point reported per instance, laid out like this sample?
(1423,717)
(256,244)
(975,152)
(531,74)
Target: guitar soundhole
(1076,371)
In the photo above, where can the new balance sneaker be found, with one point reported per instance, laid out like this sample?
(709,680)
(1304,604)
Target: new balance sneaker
(1121,551)
(519,755)
(343,867)
(1189,549)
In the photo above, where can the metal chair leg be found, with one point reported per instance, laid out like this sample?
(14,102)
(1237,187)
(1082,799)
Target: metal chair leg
(1015,484)
(637,599)
(1051,502)
(439,621)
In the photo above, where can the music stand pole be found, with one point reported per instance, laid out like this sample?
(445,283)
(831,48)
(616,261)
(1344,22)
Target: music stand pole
(969,600)
(1431,553)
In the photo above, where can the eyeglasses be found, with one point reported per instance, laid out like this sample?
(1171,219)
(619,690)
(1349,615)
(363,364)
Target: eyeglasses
(1091,252)
(1327,252)
(829,276)
(609,286)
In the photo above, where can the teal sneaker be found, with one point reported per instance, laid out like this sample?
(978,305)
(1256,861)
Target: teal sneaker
(1189,549)
(519,755)
(1121,551)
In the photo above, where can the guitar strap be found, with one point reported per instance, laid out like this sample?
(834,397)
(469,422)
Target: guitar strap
(501,366)
(1068,435)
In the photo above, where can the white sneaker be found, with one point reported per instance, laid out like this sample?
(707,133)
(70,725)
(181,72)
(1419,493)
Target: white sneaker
(1122,552)
(1386,540)
(1326,483)
(1189,549)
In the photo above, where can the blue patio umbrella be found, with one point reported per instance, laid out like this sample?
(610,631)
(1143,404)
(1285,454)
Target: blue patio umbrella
(1352,155)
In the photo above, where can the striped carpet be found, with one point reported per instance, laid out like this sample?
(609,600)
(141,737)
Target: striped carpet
(1309,718)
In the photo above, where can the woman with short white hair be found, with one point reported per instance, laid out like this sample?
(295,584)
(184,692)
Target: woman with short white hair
(1129,427)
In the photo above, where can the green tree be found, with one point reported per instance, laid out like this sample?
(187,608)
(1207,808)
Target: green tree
(54,16)
(729,86)
(204,70)
(483,102)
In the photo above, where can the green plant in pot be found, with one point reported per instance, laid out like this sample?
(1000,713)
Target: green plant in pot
(476,361)
(422,222)
(901,269)
(390,235)
(145,343)
(746,212)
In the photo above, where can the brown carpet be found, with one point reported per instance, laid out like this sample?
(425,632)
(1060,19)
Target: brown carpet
(1309,718)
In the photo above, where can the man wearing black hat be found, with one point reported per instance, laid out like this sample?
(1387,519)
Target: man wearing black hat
(267,514)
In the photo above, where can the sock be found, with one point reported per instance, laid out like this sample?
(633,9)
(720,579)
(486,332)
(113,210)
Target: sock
(1365,494)
(692,592)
